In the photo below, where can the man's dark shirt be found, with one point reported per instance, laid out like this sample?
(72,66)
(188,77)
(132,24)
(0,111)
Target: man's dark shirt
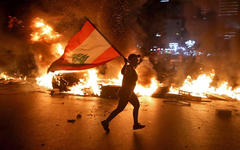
(129,80)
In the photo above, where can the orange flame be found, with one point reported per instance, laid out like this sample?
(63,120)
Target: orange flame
(92,84)
(42,31)
(4,76)
(46,80)
(148,90)
(57,49)
(202,87)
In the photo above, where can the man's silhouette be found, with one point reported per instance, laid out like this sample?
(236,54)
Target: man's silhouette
(126,93)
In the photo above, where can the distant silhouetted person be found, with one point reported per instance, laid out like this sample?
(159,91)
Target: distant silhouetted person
(126,93)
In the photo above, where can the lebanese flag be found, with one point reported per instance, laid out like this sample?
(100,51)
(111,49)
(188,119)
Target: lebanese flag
(87,49)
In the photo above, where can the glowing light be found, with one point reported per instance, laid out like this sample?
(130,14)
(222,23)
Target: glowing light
(147,90)
(46,80)
(58,49)
(158,35)
(42,31)
(164,1)
(91,83)
(173,46)
(190,43)
(202,87)
(4,76)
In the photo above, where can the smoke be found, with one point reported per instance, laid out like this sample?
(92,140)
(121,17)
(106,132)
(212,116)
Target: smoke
(145,72)
(126,23)
(14,51)
(208,29)
(117,20)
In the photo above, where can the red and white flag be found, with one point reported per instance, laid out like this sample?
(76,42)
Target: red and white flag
(87,49)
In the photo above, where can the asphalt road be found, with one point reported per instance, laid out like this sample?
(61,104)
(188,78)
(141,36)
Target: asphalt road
(31,119)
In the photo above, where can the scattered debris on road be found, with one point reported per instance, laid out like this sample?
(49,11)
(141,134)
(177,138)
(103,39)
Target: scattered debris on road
(79,116)
(71,121)
(224,113)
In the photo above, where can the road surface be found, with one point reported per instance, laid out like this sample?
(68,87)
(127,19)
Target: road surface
(31,119)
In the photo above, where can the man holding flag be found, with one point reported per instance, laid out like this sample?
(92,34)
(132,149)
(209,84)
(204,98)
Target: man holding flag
(89,48)
(126,93)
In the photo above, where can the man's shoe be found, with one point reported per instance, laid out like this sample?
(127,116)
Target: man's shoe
(138,126)
(105,125)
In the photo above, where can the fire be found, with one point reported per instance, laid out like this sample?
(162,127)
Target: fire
(224,89)
(202,87)
(91,84)
(6,79)
(57,49)
(46,80)
(42,31)
(114,81)
(149,90)
(4,76)
(197,87)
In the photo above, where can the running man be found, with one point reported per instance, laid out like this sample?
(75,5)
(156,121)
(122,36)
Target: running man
(126,93)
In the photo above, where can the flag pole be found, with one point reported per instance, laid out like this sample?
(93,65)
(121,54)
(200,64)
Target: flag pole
(106,38)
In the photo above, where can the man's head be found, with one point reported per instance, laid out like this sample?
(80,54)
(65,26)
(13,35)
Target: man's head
(133,59)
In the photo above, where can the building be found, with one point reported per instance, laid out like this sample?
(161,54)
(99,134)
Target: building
(228,8)
(228,19)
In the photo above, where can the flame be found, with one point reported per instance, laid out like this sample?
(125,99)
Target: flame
(42,31)
(4,76)
(46,80)
(202,87)
(114,81)
(148,90)
(91,84)
(57,49)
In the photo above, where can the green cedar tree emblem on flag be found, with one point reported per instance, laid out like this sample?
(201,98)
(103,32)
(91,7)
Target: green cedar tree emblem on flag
(79,58)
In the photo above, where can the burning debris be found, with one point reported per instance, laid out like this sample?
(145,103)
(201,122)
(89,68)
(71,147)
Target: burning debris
(90,82)
(6,79)
(201,87)
(44,34)
(4,76)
